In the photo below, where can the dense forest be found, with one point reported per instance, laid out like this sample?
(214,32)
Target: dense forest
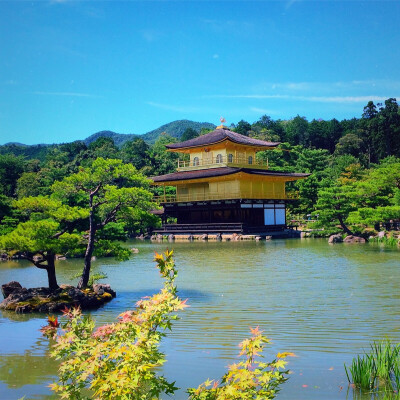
(354,164)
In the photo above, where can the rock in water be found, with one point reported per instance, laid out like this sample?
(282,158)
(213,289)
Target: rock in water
(354,239)
(44,300)
(9,288)
(335,238)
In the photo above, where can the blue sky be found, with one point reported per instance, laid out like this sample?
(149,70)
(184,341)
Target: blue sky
(71,68)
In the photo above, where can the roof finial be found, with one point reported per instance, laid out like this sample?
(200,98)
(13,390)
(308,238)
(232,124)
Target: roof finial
(222,119)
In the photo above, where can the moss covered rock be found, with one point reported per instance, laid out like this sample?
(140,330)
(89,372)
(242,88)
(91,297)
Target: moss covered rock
(43,300)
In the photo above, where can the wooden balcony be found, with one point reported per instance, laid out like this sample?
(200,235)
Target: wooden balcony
(222,161)
(223,196)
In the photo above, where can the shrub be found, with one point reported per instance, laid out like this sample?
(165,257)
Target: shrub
(119,360)
(122,360)
(248,379)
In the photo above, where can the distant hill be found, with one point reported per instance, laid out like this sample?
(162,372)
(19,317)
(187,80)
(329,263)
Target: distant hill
(36,151)
(119,138)
(14,144)
(174,129)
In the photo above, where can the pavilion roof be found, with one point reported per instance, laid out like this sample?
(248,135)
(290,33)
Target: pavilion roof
(219,135)
(221,171)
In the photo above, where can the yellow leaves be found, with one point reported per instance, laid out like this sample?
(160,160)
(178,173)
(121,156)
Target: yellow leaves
(250,378)
(208,382)
(158,258)
(285,354)
(117,360)
(280,364)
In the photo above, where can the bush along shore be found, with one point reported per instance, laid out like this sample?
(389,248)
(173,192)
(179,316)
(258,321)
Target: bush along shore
(44,300)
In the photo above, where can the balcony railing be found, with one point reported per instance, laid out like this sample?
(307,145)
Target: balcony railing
(222,161)
(168,198)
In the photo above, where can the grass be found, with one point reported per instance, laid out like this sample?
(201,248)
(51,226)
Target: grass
(362,371)
(388,241)
(377,370)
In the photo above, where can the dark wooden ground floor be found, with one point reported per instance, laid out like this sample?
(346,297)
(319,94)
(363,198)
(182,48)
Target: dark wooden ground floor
(230,216)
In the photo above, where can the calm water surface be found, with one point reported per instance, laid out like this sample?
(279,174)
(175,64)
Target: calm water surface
(325,303)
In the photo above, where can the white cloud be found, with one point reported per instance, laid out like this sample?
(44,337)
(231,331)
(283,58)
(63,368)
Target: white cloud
(344,99)
(321,99)
(330,88)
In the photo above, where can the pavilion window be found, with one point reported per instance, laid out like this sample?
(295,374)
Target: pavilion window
(219,159)
(250,160)
(230,158)
(196,161)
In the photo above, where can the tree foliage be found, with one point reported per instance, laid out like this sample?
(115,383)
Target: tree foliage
(107,189)
(48,231)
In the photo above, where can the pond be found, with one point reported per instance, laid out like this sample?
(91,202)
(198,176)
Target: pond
(323,302)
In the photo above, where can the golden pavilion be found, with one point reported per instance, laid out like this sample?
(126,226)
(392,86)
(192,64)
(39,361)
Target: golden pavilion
(223,187)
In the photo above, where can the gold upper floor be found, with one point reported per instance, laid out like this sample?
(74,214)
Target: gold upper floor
(238,186)
(222,155)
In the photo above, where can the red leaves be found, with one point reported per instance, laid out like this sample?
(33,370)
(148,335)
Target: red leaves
(53,321)
(50,330)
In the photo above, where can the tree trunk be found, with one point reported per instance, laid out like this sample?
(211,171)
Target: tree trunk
(343,225)
(83,282)
(51,272)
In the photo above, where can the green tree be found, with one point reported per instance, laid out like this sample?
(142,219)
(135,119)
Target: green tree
(296,131)
(28,185)
(136,152)
(338,199)
(204,131)
(48,231)
(5,206)
(378,192)
(243,127)
(281,158)
(188,134)
(103,147)
(350,144)
(313,161)
(163,161)
(368,216)
(106,190)
(11,168)
(370,111)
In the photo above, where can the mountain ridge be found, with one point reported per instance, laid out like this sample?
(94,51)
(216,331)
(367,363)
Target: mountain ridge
(174,129)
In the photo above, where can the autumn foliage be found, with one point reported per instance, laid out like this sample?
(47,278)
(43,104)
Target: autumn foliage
(249,378)
(122,360)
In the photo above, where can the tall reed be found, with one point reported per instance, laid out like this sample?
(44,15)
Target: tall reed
(377,370)
(363,372)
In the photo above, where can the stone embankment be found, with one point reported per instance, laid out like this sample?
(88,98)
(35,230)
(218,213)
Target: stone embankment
(219,236)
(44,300)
